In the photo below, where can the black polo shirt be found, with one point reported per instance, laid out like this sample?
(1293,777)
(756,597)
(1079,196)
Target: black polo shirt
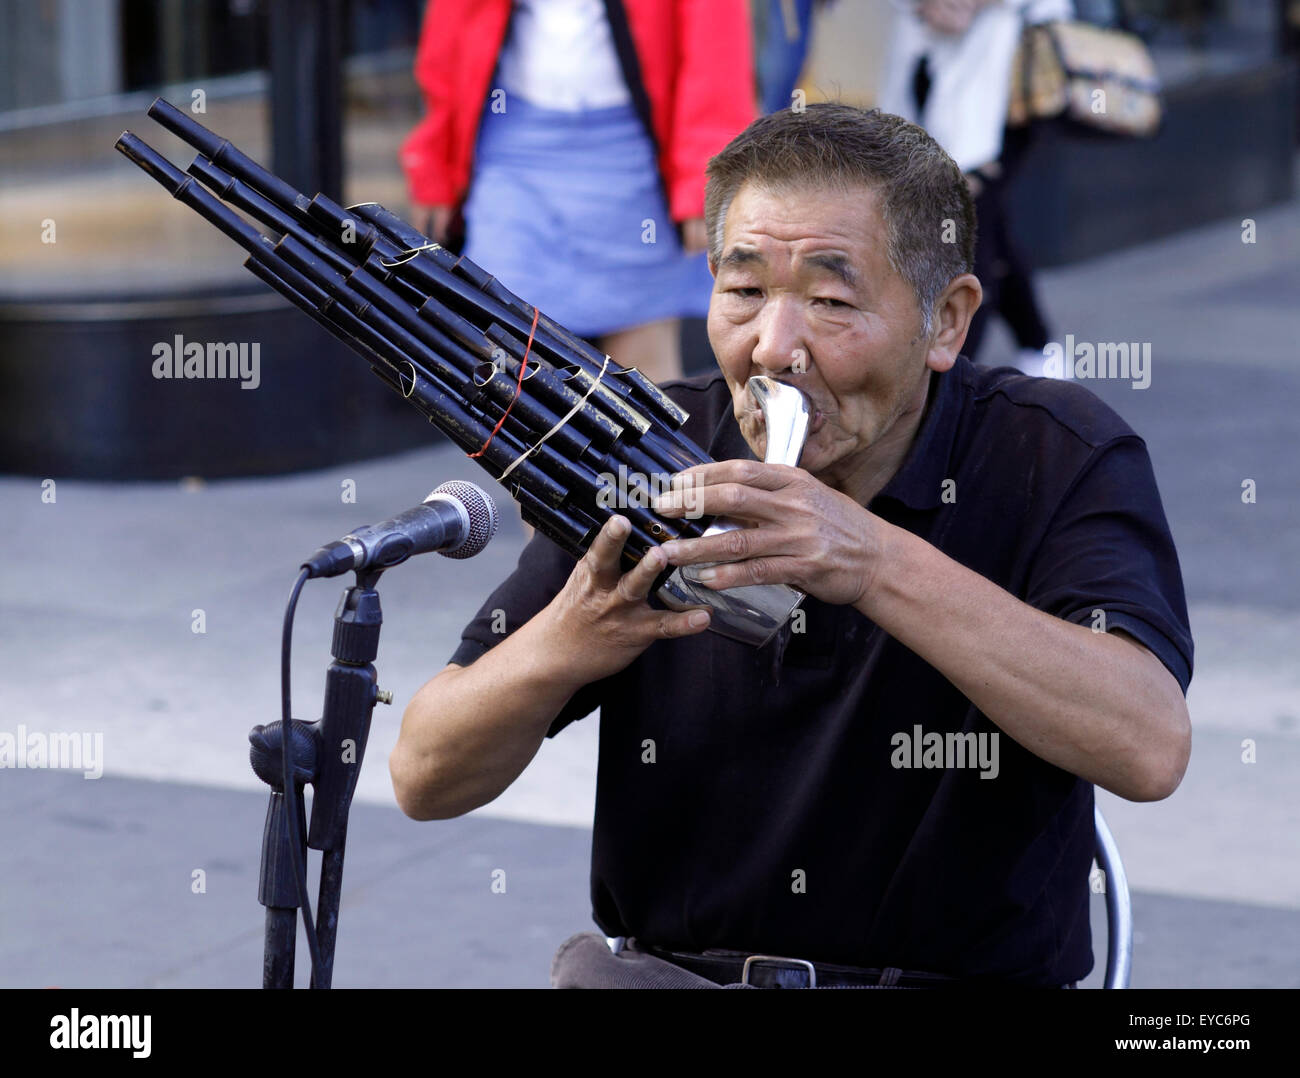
(750,799)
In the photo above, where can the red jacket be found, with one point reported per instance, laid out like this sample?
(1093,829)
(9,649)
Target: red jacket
(696,70)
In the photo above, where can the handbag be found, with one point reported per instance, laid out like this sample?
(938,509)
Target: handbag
(1099,78)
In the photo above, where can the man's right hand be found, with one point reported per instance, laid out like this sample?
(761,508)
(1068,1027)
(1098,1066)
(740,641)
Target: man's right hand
(469,732)
(601,619)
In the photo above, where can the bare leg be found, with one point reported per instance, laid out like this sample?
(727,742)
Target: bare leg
(654,349)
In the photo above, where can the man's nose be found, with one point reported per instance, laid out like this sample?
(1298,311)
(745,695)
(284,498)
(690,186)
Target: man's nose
(780,345)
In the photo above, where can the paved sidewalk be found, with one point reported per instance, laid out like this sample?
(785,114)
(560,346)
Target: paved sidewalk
(100,895)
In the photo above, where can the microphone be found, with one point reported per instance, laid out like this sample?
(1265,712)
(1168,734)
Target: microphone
(457,520)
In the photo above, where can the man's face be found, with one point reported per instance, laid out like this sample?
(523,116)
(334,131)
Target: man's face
(805,294)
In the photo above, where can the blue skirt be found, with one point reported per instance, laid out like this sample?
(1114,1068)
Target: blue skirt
(567,210)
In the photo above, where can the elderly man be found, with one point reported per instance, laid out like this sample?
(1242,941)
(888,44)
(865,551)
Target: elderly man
(988,570)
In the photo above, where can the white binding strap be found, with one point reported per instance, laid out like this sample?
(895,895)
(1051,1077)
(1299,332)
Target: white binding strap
(571,413)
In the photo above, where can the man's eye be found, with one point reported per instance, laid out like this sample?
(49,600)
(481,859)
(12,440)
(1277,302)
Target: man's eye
(745,293)
(830,301)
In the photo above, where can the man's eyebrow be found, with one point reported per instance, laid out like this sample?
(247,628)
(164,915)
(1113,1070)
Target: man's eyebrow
(741,256)
(836,264)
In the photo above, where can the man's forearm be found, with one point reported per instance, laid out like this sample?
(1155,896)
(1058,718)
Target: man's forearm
(469,732)
(1094,704)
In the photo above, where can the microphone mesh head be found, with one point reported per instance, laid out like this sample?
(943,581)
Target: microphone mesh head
(482,513)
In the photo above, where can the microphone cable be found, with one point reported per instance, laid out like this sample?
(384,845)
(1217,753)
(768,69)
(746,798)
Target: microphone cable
(286,771)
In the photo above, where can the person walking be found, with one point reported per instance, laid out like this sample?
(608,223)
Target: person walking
(949,70)
(571,137)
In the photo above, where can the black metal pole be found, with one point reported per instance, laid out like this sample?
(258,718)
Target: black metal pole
(350,697)
(307,93)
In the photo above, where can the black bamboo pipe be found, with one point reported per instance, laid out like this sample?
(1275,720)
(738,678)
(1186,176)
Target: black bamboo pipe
(574,532)
(603,396)
(312,311)
(211,209)
(372,323)
(637,456)
(371,302)
(246,198)
(568,531)
(435,273)
(594,493)
(370,293)
(553,476)
(625,462)
(187,190)
(408,238)
(439,404)
(605,418)
(598,429)
(226,155)
(221,152)
(648,455)
(439,266)
(579,481)
(243,197)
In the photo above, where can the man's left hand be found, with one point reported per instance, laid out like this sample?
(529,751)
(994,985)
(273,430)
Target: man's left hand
(797,531)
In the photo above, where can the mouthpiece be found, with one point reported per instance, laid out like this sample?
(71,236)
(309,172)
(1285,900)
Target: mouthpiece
(752,615)
(786,416)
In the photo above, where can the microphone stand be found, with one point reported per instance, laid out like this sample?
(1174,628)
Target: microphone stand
(328,755)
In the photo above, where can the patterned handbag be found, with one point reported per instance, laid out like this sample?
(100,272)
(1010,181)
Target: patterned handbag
(1101,79)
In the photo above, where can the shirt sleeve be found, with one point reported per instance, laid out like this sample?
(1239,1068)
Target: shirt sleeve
(426,151)
(539,576)
(713,95)
(1108,558)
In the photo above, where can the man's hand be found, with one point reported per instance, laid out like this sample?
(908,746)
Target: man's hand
(469,732)
(602,619)
(802,532)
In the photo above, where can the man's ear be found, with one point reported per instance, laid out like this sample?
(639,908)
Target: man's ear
(953,311)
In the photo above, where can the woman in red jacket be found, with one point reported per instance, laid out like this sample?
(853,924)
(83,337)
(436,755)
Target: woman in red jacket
(573,136)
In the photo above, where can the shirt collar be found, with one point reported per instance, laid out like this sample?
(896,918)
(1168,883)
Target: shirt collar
(918,483)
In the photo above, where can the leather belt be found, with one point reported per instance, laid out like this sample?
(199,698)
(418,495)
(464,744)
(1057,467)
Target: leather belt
(773,971)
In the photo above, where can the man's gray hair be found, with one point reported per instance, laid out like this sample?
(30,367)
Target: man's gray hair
(928,213)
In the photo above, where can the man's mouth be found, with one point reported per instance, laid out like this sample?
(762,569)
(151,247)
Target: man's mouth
(815,423)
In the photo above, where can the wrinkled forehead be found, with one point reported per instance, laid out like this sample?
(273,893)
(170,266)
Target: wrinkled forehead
(836,229)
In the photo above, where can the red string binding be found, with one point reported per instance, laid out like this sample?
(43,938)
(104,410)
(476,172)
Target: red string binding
(519,385)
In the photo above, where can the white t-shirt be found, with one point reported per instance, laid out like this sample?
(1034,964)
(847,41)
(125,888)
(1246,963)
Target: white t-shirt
(560,54)
(970,75)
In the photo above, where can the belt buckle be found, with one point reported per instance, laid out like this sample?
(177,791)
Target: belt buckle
(790,963)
